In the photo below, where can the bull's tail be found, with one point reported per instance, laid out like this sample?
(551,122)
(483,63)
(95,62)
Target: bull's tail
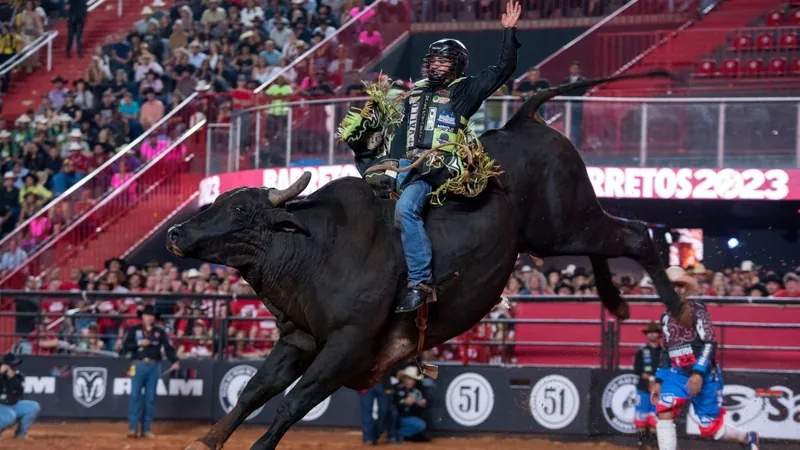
(531,106)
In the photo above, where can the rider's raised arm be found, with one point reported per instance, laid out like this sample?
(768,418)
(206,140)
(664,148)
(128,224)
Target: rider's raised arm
(476,89)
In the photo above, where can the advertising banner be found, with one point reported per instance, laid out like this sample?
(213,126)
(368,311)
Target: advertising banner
(608,182)
(764,402)
(100,388)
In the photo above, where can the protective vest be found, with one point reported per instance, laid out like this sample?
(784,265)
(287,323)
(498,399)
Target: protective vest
(431,118)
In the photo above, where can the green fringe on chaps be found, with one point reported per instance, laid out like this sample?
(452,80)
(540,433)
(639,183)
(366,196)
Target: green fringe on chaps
(370,130)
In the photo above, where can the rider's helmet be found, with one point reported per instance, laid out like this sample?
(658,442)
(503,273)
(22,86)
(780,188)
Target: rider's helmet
(452,50)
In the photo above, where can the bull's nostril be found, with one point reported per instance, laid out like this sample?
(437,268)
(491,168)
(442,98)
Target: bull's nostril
(174,234)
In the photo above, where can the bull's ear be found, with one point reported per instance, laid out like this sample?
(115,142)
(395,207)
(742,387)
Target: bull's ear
(285,221)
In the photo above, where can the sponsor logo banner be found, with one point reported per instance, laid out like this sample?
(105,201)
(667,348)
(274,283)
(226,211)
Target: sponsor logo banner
(89,385)
(608,182)
(773,411)
(619,402)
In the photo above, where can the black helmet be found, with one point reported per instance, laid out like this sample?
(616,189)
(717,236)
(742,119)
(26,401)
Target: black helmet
(451,49)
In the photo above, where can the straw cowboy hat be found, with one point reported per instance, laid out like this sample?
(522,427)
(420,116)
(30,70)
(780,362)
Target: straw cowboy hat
(678,276)
(410,372)
(75,133)
(23,119)
(652,327)
(147,11)
(5,134)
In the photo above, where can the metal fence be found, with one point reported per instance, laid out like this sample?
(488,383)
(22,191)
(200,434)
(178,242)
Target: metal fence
(238,327)
(618,132)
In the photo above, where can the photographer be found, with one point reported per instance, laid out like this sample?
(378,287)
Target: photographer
(409,403)
(13,408)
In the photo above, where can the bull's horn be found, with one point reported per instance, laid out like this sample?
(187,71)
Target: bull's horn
(280,196)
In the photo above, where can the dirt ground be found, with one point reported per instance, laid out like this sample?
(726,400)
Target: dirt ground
(108,436)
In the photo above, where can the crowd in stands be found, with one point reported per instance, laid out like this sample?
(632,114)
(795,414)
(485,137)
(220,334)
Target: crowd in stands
(244,328)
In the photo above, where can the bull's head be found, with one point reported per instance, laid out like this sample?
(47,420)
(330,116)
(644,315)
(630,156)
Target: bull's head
(240,227)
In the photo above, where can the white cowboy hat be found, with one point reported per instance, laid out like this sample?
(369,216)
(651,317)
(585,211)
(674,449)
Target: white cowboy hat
(9,175)
(193,273)
(646,282)
(159,3)
(410,372)
(747,266)
(64,117)
(5,134)
(147,11)
(23,119)
(75,133)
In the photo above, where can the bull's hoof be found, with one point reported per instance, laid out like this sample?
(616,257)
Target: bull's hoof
(197,445)
(685,318)
(622,311)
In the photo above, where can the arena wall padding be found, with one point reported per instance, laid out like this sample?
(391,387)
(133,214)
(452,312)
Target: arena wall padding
(472,399)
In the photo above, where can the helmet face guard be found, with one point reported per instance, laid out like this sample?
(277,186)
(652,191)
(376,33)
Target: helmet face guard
(451,50)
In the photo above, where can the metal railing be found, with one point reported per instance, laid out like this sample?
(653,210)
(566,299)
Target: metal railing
(668,15)
(45,39)
(616,132)
(94,186)
(389,20)
(588,340)
(156,189)
(683,50)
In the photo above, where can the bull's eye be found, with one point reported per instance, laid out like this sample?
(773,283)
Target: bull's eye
(238,210)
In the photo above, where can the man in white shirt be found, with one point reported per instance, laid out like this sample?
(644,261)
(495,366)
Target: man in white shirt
(280,35)
(196,57)
(250,12)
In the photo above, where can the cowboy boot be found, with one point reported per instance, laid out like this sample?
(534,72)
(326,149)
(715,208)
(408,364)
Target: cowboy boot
(414,299)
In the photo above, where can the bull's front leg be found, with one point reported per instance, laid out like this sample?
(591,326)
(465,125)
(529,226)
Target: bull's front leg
(285,363)
(343,357)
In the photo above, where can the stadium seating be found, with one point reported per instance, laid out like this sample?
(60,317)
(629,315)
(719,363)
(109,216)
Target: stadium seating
(765,41)
(788,41)
(774,19)
(706,68)
(753,68)
(777,66)
(730,67)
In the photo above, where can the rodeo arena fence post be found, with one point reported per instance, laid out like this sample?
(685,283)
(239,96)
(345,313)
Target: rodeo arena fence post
(563,369)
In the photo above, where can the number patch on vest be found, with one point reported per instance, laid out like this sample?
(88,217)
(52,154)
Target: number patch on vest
(682,356)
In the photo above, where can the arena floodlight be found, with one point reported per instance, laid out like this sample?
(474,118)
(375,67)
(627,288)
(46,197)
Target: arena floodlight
(733,243)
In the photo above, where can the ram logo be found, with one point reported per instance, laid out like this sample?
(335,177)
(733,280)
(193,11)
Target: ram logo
(89,385)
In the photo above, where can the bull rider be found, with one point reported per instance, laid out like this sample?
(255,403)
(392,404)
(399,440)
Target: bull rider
(428,144)
(144,343)
(689,373)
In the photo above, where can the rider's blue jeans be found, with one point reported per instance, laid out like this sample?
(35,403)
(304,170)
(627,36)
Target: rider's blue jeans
(408,219)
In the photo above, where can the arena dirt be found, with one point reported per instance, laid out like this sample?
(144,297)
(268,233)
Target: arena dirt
(108,436)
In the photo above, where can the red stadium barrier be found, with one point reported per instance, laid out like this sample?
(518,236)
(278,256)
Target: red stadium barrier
(641,16)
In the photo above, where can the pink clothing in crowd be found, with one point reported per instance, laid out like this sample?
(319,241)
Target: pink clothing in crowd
(40,228)
(367,15)
(118,180)
(374,39)
(149,152)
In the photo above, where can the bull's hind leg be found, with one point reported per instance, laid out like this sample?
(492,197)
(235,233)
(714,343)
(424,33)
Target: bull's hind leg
(613,237)
(284,364)
(340,359)
(608,293)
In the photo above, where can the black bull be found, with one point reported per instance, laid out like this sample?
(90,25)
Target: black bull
(330,266)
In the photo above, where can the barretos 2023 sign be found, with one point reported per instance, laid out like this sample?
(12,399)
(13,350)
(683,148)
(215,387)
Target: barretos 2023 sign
(608,182)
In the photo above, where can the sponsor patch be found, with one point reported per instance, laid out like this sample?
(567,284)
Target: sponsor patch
(441,100)
(443,92)
(443,138)
(447,119)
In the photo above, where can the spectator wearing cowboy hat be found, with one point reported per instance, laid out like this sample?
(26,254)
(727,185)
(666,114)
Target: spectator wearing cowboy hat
(144,343)
(13,409)
(409,404)
(645,363)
